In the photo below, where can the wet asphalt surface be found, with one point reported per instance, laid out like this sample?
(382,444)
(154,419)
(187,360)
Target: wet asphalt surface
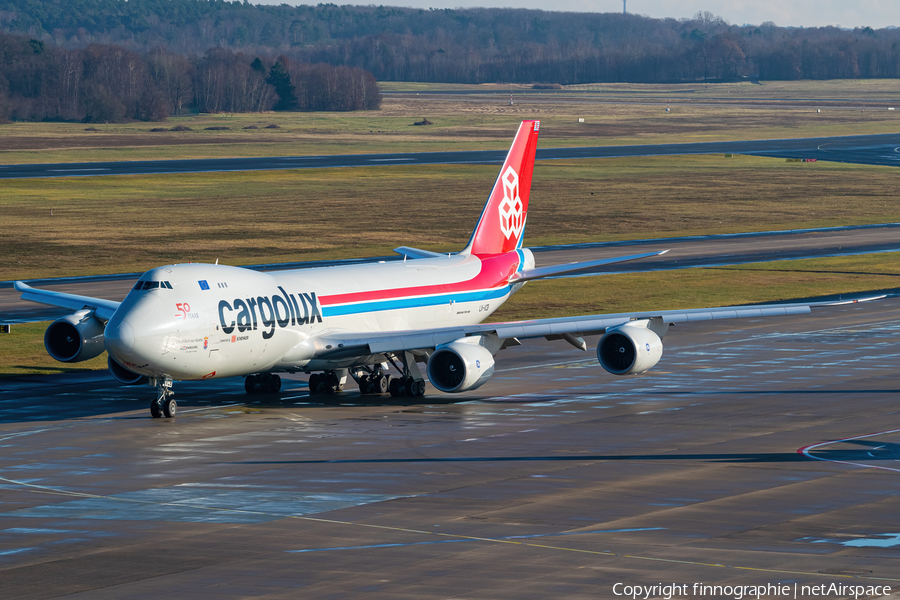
(554,480)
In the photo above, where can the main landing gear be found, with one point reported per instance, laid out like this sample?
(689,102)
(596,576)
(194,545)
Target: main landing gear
(411,383)
(165,404)
(407,386)
(376,381)
(265,383)
(329,382)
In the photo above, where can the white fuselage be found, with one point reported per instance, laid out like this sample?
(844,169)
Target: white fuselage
(203,321)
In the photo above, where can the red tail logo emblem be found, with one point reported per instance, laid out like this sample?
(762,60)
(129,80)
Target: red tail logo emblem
(512,221)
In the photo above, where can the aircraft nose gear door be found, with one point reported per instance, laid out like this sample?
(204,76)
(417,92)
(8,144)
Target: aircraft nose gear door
(165,403)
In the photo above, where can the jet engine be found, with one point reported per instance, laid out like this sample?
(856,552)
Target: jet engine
(629,349)
(123,375)
(461,365)
(75,338)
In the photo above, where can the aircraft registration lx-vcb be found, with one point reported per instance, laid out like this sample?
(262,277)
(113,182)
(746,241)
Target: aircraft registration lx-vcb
(203,321)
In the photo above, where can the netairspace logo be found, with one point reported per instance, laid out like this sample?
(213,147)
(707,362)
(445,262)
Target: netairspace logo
(742,592)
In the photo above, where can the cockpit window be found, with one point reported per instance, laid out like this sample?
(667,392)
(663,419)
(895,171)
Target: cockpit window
(152,285)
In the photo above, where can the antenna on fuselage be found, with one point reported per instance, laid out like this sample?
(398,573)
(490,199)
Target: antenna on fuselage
(217,261)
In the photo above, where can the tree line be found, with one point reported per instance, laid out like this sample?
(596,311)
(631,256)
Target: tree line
(105,83)
(475,45)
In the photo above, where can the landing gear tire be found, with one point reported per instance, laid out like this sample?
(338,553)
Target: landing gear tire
(272,384)
(407,387)
(374,384)
(267,383)
(314,383)
(332,384)
(155,411)
(169,407)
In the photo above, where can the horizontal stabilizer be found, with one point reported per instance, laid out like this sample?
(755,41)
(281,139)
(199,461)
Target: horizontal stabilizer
(103,309)
(856,301)
(416,253)
(553,270)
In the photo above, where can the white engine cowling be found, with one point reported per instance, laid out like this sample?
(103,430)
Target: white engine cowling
(460,366)
(75,338)
(123,375)
(629,349)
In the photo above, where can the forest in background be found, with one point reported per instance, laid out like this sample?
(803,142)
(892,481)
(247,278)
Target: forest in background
(477,45)
(104,83)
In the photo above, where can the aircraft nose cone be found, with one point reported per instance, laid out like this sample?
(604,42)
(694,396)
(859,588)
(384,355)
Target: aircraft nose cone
(119,338)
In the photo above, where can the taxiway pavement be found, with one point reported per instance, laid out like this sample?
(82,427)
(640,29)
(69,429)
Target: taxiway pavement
(863,149)
(553,480)
(691,252)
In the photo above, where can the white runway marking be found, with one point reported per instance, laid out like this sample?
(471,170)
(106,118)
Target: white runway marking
(807,449)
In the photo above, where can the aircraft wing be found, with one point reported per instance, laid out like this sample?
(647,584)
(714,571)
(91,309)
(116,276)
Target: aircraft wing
(343,344)
(542,272)
(103,309)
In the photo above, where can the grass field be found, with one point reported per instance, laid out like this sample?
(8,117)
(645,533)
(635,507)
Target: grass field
(22,351)
(614,114)
(133,223)
(836,90)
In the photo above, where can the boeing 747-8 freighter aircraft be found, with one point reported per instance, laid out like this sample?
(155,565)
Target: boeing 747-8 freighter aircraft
(203,321)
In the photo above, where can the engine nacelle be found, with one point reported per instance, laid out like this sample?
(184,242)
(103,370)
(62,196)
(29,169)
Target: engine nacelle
(629,349)
(123,375)
(75,338)
(460,366)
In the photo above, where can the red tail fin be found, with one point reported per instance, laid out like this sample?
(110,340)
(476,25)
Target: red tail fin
(502,222)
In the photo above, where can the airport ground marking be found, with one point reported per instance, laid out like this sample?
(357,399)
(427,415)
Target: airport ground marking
(806,451)
(42,489)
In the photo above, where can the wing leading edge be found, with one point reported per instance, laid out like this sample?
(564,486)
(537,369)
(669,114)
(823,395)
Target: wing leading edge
(103,309)
(399,341)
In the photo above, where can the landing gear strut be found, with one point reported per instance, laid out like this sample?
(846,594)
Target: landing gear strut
(265,383)
(165,402)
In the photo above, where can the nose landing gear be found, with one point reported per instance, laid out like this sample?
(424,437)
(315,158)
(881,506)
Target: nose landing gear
(165,404)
